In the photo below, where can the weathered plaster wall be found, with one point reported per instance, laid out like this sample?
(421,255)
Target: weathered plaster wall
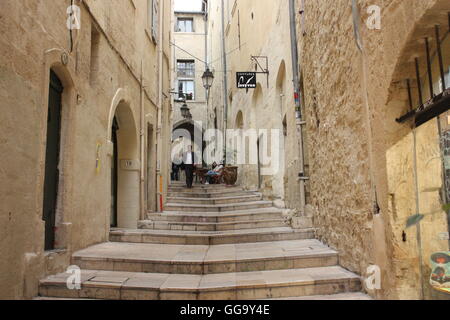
(29,29)
(272,102)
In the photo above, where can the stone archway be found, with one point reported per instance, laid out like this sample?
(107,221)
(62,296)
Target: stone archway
(280,178)
(412,160)
(253,151)
(125,167)
(191,134)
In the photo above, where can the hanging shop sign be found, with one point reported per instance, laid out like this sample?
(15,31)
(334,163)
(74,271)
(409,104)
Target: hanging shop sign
(246,80)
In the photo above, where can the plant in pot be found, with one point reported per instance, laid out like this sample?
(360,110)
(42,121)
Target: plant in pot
(230,172)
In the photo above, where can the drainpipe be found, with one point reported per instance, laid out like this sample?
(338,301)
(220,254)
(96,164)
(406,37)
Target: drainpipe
(206,8)
(225,85)
(159,148)
(298,104)
(142,180)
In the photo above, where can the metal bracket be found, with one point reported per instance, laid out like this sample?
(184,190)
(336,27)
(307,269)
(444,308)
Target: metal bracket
(258,66)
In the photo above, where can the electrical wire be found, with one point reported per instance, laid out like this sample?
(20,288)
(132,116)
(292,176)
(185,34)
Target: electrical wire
(227,54)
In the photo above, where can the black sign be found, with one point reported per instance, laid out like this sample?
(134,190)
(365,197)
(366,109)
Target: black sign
(246,80)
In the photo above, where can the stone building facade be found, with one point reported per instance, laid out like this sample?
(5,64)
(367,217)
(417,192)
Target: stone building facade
(369,172)
(268,107)
(85,128)
(189,64)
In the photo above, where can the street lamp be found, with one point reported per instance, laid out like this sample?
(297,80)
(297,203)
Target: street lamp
(207,78)
(185,112)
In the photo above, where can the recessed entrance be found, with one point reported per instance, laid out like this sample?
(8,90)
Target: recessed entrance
(52,159)
(125,169)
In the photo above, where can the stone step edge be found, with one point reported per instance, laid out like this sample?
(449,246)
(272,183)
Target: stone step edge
(240,204)
(226,214)
(200,234)
(215,199)
(205,224)
(280,284)
(317,255)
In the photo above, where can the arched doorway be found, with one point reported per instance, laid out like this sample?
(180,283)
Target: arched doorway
(253,152)
(280,178)
(52,158)
(187,133)
(416,158)
(125,166)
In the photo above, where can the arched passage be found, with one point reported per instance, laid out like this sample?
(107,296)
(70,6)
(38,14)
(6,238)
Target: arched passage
(280,178)
(187,133)
(415,156)
(124,168)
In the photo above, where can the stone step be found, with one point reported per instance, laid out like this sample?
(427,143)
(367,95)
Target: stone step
(215,217)
(217,208)
(215,201)
(211,194)
(209,238)
(339,296)
(113,285)
(205,189)
(211,226)
(189,259)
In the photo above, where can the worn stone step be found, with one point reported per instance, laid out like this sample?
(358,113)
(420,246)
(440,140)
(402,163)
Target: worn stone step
(215,217)
(189,259)
(217,208)
(211,194)
(114,285)
(216,201)
(205,189)
(339,296)
(211,226)
(209,238)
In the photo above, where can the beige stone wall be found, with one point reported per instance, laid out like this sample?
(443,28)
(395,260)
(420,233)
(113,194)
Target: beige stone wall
(356,148)
(191,46)
(33,38)
(258,28)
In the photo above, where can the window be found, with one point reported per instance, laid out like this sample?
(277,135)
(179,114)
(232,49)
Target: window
(185,25)
(186,87)
(153,18)
(186,68)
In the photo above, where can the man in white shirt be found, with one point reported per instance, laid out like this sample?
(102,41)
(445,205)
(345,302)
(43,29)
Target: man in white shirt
(189,166)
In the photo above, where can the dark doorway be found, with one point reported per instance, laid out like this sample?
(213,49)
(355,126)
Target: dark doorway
(114,174)
(52,160)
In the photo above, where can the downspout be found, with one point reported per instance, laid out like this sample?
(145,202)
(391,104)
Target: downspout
(225,86)
(159,175)
(142,133)
(206,4)
(298,104)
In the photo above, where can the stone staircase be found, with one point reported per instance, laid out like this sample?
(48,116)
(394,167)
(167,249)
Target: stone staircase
(212,242)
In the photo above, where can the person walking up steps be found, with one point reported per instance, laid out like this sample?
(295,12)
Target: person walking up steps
(189,166)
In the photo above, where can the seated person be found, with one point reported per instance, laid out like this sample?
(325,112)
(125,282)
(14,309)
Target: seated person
(213,173)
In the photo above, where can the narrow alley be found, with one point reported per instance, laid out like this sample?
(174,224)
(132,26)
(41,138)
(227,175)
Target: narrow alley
(198,150)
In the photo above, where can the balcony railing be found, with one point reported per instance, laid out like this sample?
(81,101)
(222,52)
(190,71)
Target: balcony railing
(186,73)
